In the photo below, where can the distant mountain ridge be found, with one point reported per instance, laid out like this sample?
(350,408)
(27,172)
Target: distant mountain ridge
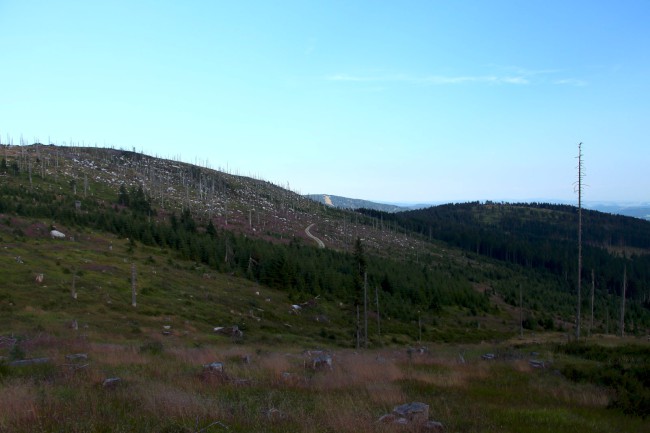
(354,203)
(636,210)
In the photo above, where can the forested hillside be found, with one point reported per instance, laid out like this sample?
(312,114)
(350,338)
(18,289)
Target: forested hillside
(414,267)
(542,238)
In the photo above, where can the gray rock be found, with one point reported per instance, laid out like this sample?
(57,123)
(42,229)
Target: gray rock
(321,362)
(216,367)
(231,331)
(32,361)
(536,363)
(76,356)
(416,412)
(412,414)
(111,382)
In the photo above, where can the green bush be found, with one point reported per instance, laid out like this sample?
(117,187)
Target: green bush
(624,369)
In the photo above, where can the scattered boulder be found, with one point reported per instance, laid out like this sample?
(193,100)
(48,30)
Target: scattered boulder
(76,356)
(231,331)
(317,359)
(216,367)
(415,414)
(422,350)
(322,362)
(111,382)
(55,234)
(32,361)
(536,363)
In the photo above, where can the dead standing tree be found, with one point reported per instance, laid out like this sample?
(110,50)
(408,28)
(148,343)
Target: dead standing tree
(133,284)
(622,325)
(73,290)
(578,189)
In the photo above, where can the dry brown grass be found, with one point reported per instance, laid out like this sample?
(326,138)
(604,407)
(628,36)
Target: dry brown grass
(161,398)
(171,390)
(355,370)
(18,403)
(114,354)
(585,395)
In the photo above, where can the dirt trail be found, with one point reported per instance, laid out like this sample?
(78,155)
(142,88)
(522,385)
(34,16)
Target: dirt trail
(318,241)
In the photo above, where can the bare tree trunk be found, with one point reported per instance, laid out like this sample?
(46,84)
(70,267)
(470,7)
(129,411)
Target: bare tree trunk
(365,310)
(133,284)
(358,329)
(579,188)
(593,287)
(73,291)
(607,317)
(521,312)
(378,315)
(623,302)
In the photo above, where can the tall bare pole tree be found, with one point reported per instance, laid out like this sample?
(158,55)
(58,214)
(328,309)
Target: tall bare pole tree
(521,312)
(593,288)
(378,315)
(578,188)
(622,326)
(365,310)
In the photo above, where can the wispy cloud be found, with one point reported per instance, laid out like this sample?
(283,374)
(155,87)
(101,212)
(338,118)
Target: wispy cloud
(570,82)
(509,76)
(430,79)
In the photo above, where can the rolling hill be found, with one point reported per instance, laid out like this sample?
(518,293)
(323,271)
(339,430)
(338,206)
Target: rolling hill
(142,294)
(432,265)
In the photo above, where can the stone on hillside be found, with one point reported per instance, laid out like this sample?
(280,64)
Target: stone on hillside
(231,331)
(111,382)
(57,234)
(31,361)
(535,363)
(76,356)
(321,362)
(416,412)
(412,414)
(216,367)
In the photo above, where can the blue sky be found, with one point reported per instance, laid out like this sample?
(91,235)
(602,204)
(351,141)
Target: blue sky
(409,101)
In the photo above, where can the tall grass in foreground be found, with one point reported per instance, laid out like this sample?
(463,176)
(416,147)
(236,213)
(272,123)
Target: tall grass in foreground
(165,388)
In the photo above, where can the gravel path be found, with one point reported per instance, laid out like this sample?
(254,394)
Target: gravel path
(318,241)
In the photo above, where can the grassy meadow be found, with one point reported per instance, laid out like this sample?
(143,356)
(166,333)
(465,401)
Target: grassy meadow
(165,388)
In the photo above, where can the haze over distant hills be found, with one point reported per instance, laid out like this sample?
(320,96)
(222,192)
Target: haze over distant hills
(636,210)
